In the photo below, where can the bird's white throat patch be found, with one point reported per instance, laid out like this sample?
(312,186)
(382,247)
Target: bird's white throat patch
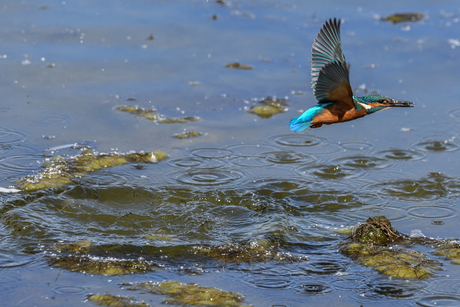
(365,106)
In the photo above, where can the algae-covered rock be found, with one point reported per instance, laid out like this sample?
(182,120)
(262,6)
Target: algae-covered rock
(237,65)
(371,244)
(189,294)
(269,106)
(78,257)
(391,261)
(254,251)
(115,300)
(187,135)
(152,114)
(377,231)
(101,266)
(403,17)
(449,248)
(59,171)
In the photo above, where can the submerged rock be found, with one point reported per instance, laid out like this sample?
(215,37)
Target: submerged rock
(189,294)
(371,243)
(62,171)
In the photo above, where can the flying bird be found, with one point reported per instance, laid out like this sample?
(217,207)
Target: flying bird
(331,85)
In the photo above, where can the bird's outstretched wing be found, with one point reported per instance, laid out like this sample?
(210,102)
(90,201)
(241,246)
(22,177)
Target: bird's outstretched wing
(329,69)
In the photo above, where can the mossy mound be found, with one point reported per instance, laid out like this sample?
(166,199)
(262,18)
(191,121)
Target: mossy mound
(62,171)
(377,231)
(189,294)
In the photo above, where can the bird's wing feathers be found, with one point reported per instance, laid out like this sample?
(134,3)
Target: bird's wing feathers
(329,69)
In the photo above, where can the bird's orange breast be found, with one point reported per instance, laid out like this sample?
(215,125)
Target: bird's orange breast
(337,114)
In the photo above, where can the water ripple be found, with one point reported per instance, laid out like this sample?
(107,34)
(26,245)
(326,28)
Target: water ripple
(362,162)
(191,162)
(400,154)
(250,150)
(436,143)
(434,212)
(54,119)
(357,145)
(283,157)
(324,267)
(20,165)
(68,290)
(312,144)
(439,300)
(212,153)
(8,136)
(204,177)
(314,288)
(269,282)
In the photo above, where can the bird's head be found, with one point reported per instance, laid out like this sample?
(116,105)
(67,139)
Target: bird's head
(374,103)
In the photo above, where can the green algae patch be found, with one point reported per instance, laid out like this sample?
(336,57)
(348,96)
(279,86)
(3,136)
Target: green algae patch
(371,244)
(237,65)
(150,114)
(81,247)
(115,300)
(189,294)
(269,106)
(101,266)
(449,249)
(59,171)
(252,252)
(187,135)
(403,17)
(171,120)
(391,261)
(77,257)
(153,115)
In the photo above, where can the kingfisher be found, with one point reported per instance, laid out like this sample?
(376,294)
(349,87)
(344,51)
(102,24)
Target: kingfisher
(331,85)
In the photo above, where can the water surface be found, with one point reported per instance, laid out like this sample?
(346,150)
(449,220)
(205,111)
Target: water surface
(67,65)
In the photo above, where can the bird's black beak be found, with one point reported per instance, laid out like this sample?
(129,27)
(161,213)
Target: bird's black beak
(400,103)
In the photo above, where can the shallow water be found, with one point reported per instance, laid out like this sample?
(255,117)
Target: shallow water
(67,65)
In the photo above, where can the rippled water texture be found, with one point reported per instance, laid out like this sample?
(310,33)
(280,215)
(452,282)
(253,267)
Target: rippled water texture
(246,206)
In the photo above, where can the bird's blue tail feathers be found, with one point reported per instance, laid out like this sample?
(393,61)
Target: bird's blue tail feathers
(303,121)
